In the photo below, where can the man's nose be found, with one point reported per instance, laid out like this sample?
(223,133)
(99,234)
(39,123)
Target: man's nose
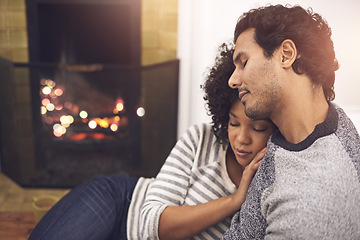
(234,80)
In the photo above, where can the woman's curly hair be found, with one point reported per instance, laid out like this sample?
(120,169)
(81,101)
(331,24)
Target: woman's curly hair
(310,33)
(218,95)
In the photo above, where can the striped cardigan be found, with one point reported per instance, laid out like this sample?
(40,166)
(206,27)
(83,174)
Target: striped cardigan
(194,173)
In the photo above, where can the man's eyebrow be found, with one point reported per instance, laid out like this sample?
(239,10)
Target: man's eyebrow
(232,114)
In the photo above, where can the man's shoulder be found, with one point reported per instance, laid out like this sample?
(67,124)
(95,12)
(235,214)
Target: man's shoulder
(344,122)
(347,132)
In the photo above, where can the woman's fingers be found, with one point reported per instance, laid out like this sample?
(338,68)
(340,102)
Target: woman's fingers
(248,174)
(255,163)
(260,155)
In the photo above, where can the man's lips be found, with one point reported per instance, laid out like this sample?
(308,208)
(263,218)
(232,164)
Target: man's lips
(242,93)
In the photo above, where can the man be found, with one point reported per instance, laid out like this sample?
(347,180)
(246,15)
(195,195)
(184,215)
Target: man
(308,184)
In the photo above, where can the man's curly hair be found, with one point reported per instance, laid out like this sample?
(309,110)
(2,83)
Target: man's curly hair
(218,95)
(310,33)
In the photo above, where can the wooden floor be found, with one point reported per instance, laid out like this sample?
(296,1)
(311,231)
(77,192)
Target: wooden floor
(16,225)
(16,211)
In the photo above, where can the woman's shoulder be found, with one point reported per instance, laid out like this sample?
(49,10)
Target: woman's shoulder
(200,129)
(197,137)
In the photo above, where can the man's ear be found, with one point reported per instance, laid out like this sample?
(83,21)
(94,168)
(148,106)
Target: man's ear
(288,53)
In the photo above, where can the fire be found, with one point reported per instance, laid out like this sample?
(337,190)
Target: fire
(60,113)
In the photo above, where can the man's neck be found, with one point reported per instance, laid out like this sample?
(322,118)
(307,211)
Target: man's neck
(298,117)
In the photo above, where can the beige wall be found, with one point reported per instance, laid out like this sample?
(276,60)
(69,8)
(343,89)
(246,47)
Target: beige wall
(13,33)
(158,31)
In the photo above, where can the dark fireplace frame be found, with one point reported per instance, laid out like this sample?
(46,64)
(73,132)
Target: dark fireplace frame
(22,140)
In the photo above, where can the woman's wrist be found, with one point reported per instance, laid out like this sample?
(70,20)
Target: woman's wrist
(235,201)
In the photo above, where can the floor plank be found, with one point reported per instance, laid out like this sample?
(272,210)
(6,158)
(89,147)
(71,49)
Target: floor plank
(16,225)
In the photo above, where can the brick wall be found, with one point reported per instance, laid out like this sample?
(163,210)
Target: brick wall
(13,33)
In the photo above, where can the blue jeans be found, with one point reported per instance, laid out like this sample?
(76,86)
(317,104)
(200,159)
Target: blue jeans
(94,210)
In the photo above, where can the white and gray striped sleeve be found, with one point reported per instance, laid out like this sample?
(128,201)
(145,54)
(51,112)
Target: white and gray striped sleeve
(172,183)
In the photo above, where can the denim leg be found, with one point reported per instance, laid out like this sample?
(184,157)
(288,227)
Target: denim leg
(94,210)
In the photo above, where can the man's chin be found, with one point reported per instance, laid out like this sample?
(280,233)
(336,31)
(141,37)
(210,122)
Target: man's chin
(254,113)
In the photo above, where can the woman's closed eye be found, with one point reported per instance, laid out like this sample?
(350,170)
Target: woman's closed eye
(234,124)
(260,126)
(259,129)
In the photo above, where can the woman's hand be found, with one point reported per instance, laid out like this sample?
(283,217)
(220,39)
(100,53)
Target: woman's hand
(182,222)
(247,176)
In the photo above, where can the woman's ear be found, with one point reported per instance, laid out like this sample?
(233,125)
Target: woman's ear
(288,53)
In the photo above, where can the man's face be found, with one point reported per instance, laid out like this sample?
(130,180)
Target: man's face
(256,77)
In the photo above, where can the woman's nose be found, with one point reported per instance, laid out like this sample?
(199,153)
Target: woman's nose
(243,137)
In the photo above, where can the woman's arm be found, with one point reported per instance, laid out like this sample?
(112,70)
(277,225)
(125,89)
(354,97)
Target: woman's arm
(182,222)
(171,185)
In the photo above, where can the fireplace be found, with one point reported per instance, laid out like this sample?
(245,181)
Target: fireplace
(84,106)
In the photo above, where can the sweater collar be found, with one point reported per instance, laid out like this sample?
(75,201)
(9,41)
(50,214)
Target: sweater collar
(323,129)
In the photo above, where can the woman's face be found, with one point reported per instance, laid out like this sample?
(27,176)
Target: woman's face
(247,137)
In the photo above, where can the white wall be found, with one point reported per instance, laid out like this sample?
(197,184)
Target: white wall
(205,24)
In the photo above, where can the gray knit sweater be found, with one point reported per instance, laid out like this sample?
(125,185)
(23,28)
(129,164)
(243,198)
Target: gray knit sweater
(309,190)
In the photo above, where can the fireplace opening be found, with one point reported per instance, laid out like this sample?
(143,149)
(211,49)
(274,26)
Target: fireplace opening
(88,122)
(85,33)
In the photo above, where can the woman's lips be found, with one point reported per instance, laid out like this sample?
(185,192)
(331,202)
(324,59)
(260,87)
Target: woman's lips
(242,153)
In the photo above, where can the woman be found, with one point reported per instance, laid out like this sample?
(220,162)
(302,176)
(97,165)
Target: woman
(201,171)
